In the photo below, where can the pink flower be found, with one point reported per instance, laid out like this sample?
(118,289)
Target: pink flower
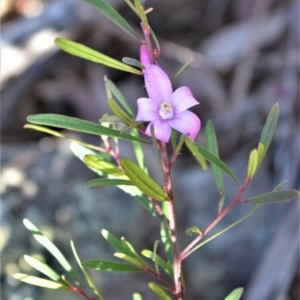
(164,108)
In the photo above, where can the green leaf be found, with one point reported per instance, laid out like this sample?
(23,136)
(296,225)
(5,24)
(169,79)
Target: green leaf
(236,294)
(132,251)
(107,182)
(119,112)
(192,230)
(165,235)
(200,159)
(166,209)
(141,180)
(129,258)
(79,125)
(159,291)
(93,55)
(42,267)
(112,15)
(182,69)
(157,152)
(133,62)
(260,152)
(252,163)
(137,296)
(113,240)
(86,275)
(159,260)
(105,265)
(212,146)
(212,159)
(60,135)
(174,138)
(96,163)
(139,153)
(81,151)
(127,251)
(180,143)
(44,241)
(280,184)
(275,197)
(140,11)
(119,96)
(269,129)
(40,282)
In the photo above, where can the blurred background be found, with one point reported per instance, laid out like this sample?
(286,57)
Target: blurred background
(246,58)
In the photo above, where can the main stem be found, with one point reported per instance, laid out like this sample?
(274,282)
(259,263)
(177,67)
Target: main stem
(178,292)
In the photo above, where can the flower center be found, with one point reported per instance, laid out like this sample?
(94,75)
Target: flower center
(166,111)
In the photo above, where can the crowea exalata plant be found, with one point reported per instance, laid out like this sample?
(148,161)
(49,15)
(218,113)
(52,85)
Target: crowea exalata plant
(167,117)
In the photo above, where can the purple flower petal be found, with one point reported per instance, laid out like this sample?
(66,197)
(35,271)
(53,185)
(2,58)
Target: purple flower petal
(186,122)
(157,83)
(162,130)
(182,99)
(147,110)
(144,56)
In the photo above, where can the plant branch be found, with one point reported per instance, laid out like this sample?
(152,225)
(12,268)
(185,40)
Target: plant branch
(188,250)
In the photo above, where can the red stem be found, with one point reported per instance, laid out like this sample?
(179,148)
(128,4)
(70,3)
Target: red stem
(178,292)
(80,293)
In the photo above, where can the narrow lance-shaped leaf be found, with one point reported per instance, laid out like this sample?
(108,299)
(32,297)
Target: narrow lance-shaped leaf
(106,167)
(44,241)
(182,69)
(42,267)
(269,129)
(113,240)
(159,291)
(105,265)
(119,112)
(79,125)
(132,251)
(94,56)
(157,152)
(107,182)
(275,197)
(192,230)
(119,96)
(60,135)
(166,239)
(45,283)
(252,164)
(141,12)
(133,62)
(235,294)
(127,251)
(129,258)
(212,159)
(86,275)
(141,180)
(112,15)
(139,153)
(212,146)
(200,159)
(159,260)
